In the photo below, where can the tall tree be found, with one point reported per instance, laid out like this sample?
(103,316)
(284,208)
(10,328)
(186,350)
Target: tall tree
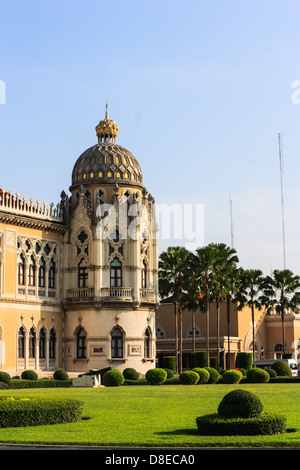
(171,268)
(282,293)
(252,284)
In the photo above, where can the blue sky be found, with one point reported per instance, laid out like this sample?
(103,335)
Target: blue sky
(199,89)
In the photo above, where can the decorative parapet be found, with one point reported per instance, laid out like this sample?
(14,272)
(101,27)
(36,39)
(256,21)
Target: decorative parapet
(13,204)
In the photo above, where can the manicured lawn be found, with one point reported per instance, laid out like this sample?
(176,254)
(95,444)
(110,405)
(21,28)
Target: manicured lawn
(156,416)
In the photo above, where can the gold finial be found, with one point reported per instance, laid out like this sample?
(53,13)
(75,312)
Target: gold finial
(107,130)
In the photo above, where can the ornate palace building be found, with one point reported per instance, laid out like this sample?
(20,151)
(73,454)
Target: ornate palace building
(78,281)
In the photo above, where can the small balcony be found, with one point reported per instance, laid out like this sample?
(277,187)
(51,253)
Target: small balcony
(81,294)
(119,294)
(147,295)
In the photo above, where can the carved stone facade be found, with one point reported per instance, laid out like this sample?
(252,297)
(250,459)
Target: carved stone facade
(78,283)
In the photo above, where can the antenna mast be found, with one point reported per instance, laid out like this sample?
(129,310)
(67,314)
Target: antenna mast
(282,205)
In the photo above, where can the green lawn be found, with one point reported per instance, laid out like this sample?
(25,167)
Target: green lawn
(155,416)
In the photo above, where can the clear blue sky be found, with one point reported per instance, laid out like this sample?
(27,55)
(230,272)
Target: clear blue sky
(199,89)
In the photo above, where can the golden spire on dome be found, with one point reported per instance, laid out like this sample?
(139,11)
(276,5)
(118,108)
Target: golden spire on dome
(107,130)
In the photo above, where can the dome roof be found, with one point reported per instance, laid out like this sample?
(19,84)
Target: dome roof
(106,162)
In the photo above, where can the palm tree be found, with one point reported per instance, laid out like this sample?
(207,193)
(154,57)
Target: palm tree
(170,275)
(251,294)
(282,294)
(213,263)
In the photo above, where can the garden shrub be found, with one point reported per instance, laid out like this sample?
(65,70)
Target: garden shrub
(282,368)
(131,374)
(259,376)
(169,372)
(265,424)
(213,375)
(240,404)
(232,376)
(21,411)
(189,377)
(60,374)
(271,372)
(244,360)
(213,362)
(3,386)
(169,362)
(156,376)
(113,378)
(5,377)
(203,374)
(29,375)
(198,359)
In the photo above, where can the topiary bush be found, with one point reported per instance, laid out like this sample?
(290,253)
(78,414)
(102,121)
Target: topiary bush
(244,360)
(213,375)
(259,376)
(113,378)
(232,376)
(5,377)
(198,359)
(169,372)
(20,411)
(29,375)
(169,362)
(156,376)
(282,369)
(271,372)
(189,377)
(240,404)
(60,374)
(131,374)
(3,386)
(203,375)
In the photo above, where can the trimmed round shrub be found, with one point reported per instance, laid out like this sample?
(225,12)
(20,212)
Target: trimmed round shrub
(259,376)
(3,386)
(5,377)
(113,378)
(61,374)
(130,374)
(232,376)
(156,376)
(189,377)
(29,375)
(282,369)
(203,375)
(170,373)
(244,360)
(213,375)
(21,411)
(240,404)
(265,424)
(271,372)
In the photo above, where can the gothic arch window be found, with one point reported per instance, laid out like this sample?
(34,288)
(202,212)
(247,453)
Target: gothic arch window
(21,343)
(21,270)
(51,274)
(42,272)
(144,275)
(116,343)
(82,273)
(116,273)
(31,343)
(52,343)
(42,343)
(31,271)
(147,343)
(81,343)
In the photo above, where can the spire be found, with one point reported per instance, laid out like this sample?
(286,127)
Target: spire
(106,110)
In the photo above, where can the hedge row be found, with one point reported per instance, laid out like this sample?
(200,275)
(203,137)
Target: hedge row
(16,411)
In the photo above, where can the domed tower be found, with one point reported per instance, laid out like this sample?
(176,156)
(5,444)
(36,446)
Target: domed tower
(111,261)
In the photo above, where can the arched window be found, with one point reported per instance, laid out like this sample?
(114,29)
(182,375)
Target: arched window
(116,343)
(81,343)
(31,271)
(51,275)
(52,343)
(42,343)
(31,344)
(21,270)
(21,343)
(42,270)
(147,343)
(278,350)
(82,273)
(115,273)
(144,275)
